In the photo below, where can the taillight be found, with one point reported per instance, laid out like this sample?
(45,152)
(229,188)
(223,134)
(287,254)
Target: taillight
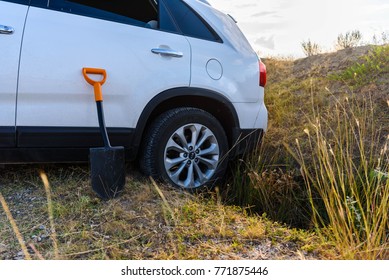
(262,74)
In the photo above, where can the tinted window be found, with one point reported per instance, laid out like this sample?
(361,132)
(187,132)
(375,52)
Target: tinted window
(39,3)
(189,22)
(136,12)
(26,2)
(165,19)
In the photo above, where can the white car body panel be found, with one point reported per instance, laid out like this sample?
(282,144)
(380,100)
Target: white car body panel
(12,15)
(240,78)
(240,64)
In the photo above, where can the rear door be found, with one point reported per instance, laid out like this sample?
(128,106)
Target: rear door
(56,106)
(12,18)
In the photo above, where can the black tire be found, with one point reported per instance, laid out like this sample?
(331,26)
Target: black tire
(185,147)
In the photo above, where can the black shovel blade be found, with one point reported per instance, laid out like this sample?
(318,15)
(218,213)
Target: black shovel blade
(107,166)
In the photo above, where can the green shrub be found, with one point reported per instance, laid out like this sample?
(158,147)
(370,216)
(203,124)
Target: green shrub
(373,64)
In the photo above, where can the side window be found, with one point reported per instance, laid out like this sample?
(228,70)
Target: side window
(166,22)
(134,12)
(39,3)
(189,22)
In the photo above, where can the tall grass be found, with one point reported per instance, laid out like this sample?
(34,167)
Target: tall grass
(47,186)
(345,167)
(265,185)
(15,228)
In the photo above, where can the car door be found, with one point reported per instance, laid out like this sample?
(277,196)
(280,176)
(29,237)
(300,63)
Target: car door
(12,18)
(56,107)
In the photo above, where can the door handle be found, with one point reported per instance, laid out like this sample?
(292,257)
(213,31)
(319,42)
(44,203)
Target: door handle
(6,29)
(167,52)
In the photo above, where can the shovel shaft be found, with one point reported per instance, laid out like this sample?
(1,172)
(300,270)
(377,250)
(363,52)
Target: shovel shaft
(97,91)
(103,129)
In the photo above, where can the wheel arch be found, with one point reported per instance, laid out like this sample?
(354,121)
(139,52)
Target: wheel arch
(212,102)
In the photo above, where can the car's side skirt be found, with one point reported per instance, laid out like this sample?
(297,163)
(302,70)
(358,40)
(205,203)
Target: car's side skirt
(7,136)
(57,144)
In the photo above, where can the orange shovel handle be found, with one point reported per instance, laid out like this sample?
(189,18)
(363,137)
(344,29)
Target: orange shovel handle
(96,84)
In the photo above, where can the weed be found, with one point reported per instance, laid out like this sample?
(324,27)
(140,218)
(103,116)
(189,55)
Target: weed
(382,40)
(348,40)
(310,48)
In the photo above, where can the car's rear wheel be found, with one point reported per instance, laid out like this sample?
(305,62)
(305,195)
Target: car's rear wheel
(185,147)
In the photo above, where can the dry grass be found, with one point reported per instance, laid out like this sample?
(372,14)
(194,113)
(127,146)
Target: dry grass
(14,227)
(348,192)
(147,221)
(46,184)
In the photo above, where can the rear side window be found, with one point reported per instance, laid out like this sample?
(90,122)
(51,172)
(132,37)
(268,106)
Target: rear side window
(134,12)
(189,22)
(166,23)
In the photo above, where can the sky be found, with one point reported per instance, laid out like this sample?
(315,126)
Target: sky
(278,27)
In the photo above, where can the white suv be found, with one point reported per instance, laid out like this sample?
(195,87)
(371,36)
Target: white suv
(184,92)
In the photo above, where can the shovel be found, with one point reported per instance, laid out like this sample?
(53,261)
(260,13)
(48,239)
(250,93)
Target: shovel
(106,163)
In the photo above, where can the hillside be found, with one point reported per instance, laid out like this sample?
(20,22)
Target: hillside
(265,209)
(355,73)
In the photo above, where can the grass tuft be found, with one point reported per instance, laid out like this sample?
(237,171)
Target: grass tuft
(15,228)
(46,184)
